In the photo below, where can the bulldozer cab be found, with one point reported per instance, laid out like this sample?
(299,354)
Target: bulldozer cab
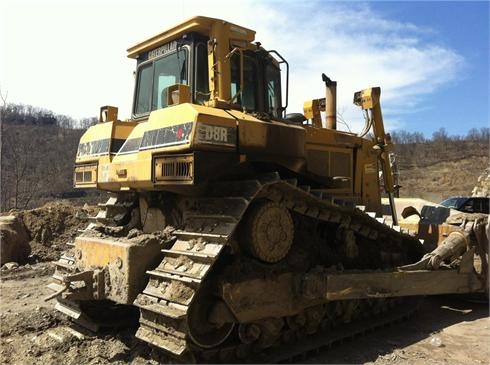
(223,70)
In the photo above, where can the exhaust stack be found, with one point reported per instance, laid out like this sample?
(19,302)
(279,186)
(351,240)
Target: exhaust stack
(330,102)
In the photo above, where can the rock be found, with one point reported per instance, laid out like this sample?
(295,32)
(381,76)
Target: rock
(14,240)
(46,236)
(436,341)
(134,233)
(81,215)
(10,266)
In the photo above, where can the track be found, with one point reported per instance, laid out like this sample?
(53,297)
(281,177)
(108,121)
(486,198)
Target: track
(173,285)
(178,292)
(296,346)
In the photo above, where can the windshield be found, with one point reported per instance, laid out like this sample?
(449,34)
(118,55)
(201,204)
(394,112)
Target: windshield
(453,202)
(155,77)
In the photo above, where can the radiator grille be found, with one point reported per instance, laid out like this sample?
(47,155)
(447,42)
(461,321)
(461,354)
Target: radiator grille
(174,168)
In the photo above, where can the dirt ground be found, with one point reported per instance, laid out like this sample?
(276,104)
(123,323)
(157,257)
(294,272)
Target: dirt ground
(33,332)
(446,330)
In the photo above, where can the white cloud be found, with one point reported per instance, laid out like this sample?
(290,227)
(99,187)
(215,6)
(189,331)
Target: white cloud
(358,48)
(71,58)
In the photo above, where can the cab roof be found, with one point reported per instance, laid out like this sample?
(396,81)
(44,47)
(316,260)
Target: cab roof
(199,24)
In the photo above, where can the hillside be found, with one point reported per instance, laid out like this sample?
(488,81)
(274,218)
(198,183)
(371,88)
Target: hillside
(37,155)
(445,175)
(442,166)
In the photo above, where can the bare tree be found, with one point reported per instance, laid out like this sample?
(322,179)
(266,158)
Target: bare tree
(2,180)
(440,135)
(21,165)
(87,122)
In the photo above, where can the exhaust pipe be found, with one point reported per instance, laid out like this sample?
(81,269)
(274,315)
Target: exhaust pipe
(330,102)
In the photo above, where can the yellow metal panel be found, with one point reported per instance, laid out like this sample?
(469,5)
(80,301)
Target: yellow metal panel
(211,113)
(322,136)
(221,65)
(122,130)
(252,135)
(131,170)
(171,115)
(138,130)
(87,159)
(272,138)
(311,110)
(124,262)
(367,179)
(101,252)
(97,132)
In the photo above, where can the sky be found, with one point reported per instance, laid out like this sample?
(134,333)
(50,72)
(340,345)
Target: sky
(431,59)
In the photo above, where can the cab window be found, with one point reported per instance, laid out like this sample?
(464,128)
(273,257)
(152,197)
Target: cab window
(273,90)
(154,77)
(247,97)
(143,95)
(202,72)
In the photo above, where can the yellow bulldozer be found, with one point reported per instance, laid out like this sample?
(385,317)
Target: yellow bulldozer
(240,232)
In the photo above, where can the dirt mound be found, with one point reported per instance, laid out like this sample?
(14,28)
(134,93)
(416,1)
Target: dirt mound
(14,240)
(53,225)
(443,179)
(482,187)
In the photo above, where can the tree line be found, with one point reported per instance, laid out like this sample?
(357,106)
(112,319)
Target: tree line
(414,150)
(441,135)
(21,114)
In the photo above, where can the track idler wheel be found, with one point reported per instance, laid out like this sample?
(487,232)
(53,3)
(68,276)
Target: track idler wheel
(269,232)
(204,330)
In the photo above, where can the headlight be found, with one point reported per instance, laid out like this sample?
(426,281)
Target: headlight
(85,176)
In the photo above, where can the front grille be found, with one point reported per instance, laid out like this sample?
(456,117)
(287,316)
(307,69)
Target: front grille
(179,168)
(176,169)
